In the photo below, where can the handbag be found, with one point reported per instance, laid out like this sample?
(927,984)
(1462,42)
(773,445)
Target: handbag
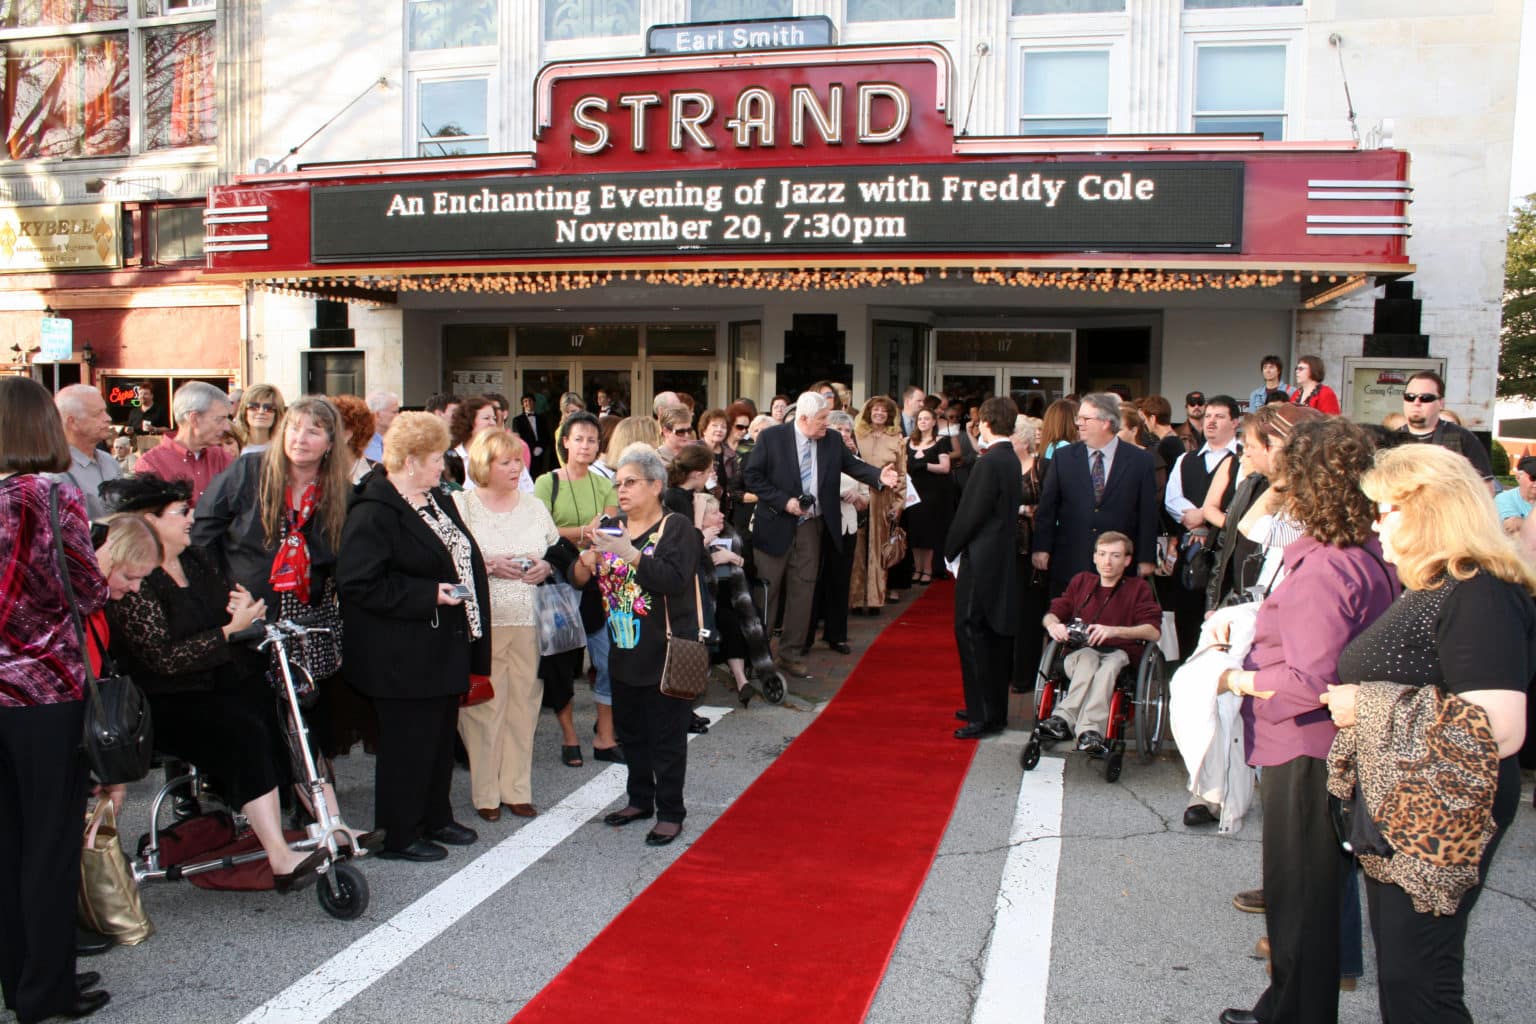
(1197,553)
(895,548)
(558,608)
(108,900)
(480,691)
(119,735)
(685,672)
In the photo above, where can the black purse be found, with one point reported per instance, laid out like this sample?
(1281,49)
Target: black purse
(118,739)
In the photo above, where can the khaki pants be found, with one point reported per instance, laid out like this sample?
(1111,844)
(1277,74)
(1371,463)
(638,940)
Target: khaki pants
(499,733)
(1093,672)
(794,573)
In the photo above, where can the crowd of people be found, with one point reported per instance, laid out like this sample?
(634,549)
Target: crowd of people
(1330,570)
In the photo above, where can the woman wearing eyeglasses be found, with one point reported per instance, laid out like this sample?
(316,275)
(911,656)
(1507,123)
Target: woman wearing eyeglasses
(1310,389)
(714,431)
(257,417)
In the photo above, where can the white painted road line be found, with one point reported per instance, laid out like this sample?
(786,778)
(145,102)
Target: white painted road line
(1018,969)
(341,978)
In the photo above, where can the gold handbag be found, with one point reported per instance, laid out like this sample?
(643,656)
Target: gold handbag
(109,897)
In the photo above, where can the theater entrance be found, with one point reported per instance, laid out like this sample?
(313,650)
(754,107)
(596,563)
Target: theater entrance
(1033,367)
(1031,387)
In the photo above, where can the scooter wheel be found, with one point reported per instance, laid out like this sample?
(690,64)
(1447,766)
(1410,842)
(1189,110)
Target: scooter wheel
(1112,768)
(343,892)
(773,689)
(1031,756)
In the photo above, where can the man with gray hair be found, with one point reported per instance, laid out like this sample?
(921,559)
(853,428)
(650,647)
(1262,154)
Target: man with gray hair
(194,453)
(385,406)
(1097,485)
(86,424)
(795,471)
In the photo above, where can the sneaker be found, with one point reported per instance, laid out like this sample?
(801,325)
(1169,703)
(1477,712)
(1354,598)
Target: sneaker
(1091,742)
(1056,728)
(1249,901)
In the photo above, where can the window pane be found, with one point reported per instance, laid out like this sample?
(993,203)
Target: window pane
(578,340)
(1066,6)
(178,86)
(899,10)
(1066,126)
(1245,78)
(65,97)
(1207,5)
(155,8)
(1011,346)
(453,109)
(1066,82)
(39,13)
(740,10)
(680,340)
(588,19)
(444,24)
(1271,127)
(178,234)
(475,341)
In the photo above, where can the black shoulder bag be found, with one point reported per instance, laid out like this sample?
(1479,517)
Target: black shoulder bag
(119,737)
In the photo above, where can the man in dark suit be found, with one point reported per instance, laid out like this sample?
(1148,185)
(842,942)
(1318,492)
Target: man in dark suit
(790,461)
(982,537)
(536,434)
(1095,485)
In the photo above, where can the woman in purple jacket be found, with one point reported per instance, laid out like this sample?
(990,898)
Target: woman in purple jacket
(1335,584)
(43,778)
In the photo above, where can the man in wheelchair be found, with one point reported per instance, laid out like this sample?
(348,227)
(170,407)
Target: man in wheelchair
(1102,618)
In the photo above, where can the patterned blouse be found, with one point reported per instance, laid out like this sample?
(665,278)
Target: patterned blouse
(526,530)
(457,543)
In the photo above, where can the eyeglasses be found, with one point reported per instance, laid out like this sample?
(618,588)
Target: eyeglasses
(741,426)
(262,407)
(680,431)
(1414,398)
(625,483)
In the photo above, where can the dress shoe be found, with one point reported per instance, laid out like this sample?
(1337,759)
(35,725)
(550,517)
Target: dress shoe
(657,837)
(962,714)
(419,851)
(85,1004)
(1056,728)
(698,724)
(452,834)
(627,816)
(489,813)
(303,874)
(794,668)
(87,980)
(1091,742)
(1250,901)
(1199,814)
(89,943)
(613,754)
(524,810)
(840,646)
(1233,1016)
(977,730)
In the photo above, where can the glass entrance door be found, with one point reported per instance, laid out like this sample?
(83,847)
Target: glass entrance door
(615,379)
(688,377)
(1032,387)
(546,381)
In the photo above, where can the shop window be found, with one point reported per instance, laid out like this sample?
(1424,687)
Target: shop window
(178,234)
(1068,6)
(899,10)
(1066,92)
(119,388)
(72,93)
(1003,346)
(335,373)
(590,19)
(740,10)
(462,342)
(680,340)
(450,24)
(578,340)
(1240,88)
(1211,5)
(453,117)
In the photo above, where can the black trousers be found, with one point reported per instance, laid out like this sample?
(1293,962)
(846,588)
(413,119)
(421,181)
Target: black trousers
(42,806)
(1419,956)
(653,729)
(413,774)
(1303,877)
(832,591)
(986,665)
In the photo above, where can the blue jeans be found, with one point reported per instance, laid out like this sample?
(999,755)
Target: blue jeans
(597,650)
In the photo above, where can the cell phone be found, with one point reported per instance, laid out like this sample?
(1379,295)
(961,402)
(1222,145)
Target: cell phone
(720,542)
(611,531)
(460,591)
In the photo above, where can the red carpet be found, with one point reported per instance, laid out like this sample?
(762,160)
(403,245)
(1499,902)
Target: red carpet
(789,907)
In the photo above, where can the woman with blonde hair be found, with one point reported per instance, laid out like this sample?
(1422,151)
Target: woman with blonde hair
(514,533)
(1466,626)
(258,417)
(877,432)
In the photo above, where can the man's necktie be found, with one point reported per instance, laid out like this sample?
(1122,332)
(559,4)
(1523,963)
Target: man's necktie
(1097,475)
(807,483)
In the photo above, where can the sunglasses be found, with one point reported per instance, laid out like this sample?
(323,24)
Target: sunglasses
(681,431)
(741,426)
(1413,398)
(262,407)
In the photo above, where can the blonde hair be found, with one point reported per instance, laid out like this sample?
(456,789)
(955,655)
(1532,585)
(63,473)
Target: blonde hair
(487,447)
(132,541)
(413,433)
(631,430)
(1448,524)
(257,392)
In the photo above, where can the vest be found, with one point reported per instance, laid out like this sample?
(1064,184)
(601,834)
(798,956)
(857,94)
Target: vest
(1196,479)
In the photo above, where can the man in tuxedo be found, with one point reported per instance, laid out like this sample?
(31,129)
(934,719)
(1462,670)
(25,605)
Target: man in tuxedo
(535,432)
(982,536)
(1096,485)
(794,461)
(1189,485)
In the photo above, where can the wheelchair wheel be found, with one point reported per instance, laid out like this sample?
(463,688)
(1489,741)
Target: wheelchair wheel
(1031,756)
(343,892)
(1045,680)
(773,688)
(1151,711)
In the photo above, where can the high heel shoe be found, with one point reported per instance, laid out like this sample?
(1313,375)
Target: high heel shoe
(303,874)
(745,694)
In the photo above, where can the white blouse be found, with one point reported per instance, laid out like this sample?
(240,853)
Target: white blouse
(528,531)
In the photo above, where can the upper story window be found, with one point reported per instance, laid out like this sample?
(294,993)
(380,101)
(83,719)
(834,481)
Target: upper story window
(1067,6)
(1065,92)
(453,116)
(740,10)
(899,10)
(1240,88)
(450,24)
(71,67)
(590,19)
(1211,5)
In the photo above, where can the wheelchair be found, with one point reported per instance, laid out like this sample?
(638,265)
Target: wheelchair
(1138,704)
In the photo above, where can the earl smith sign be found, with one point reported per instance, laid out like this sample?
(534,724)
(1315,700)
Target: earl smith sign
(1152,206)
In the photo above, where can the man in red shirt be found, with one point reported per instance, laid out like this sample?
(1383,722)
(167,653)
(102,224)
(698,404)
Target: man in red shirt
(193,453)
(1115,612)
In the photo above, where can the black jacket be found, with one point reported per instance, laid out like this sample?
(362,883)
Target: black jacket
(1068,521)
(524,425)
(773,474)
(399,642)
(983,535)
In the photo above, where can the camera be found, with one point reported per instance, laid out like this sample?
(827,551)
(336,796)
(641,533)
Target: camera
(461,592)
(807,501)
(1077,633)
(523,564)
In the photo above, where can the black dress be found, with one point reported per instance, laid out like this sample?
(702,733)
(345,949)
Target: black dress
(1029,642)
(1464,635)
(928,520)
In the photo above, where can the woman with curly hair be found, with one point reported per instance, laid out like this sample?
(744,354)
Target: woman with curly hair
(877,432)
(1335,584)
(357,425)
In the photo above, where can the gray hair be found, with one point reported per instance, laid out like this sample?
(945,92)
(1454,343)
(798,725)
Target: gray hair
(1106,406)
(837,419)
(196,396)
(643,457)
(1024,430)
(378,401)
(70,401)
(809,404)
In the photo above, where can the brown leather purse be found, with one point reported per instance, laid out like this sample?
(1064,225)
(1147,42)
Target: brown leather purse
(685,673)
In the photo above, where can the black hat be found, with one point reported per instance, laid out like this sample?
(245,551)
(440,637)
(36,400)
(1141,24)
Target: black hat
(1195,398)
(144,492)
(1527,465)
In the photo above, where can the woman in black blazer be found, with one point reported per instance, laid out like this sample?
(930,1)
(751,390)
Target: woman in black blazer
(410,642)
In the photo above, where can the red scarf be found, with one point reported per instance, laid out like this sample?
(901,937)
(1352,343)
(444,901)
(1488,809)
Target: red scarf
(290,569)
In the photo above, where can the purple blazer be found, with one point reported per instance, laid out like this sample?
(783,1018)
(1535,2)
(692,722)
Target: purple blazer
(1328,597)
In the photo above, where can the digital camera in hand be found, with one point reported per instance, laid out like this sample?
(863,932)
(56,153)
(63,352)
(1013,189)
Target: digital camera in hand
(1077,633)
(806,502)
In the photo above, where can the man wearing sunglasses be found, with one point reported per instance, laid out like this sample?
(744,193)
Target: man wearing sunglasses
(1192,430)
(1423,401)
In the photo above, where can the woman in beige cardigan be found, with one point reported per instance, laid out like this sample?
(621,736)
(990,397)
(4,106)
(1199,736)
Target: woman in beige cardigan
(878,434)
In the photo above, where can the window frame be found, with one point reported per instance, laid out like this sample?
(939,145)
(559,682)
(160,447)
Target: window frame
(1066,36)
(1288,40)
(591,46)
(458,72)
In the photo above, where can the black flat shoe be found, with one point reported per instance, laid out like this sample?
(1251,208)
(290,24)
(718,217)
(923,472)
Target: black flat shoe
(613,754)
(628,816)
(85,1004)
(698,724)
(840,646)
(452,834)
(302,876)
(962,715)
(89,943)
(1233,1016)
(571,756)
(976,731)
(656,837)
(420,851)
(1198,814)
(86,980)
